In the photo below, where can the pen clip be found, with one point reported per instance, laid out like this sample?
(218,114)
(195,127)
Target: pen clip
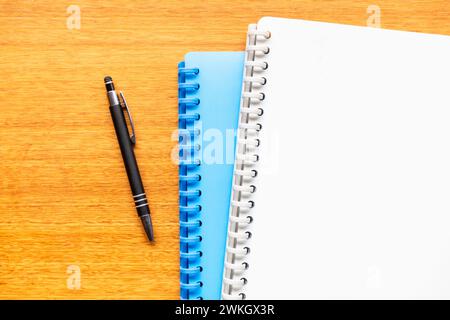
(125,106)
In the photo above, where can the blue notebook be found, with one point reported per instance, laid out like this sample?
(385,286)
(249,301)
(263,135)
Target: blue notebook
(209,95)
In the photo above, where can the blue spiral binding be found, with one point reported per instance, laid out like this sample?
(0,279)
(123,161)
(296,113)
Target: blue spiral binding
(190,223)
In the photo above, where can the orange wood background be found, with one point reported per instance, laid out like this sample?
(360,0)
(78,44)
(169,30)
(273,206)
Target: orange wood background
(64,195)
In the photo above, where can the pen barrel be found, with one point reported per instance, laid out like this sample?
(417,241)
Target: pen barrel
(129,159)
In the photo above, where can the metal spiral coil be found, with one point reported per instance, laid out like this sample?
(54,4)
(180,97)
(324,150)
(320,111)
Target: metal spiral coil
(247,157)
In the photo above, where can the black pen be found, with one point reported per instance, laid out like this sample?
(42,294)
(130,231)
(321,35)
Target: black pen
(126,143)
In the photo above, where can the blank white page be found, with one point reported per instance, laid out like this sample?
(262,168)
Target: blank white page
(353,185)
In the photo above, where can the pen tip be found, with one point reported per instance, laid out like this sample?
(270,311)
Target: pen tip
(108,79)
(147,223)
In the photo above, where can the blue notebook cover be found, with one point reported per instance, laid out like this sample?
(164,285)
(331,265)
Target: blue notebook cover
(209,94)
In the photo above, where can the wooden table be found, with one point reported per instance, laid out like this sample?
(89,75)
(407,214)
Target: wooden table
(68,228)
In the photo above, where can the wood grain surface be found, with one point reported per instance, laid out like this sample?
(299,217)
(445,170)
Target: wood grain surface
(64,196)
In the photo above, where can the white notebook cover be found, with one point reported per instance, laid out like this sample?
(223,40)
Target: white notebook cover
(352,195)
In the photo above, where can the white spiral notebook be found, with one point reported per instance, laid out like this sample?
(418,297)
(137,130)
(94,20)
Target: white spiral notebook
(342,178)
